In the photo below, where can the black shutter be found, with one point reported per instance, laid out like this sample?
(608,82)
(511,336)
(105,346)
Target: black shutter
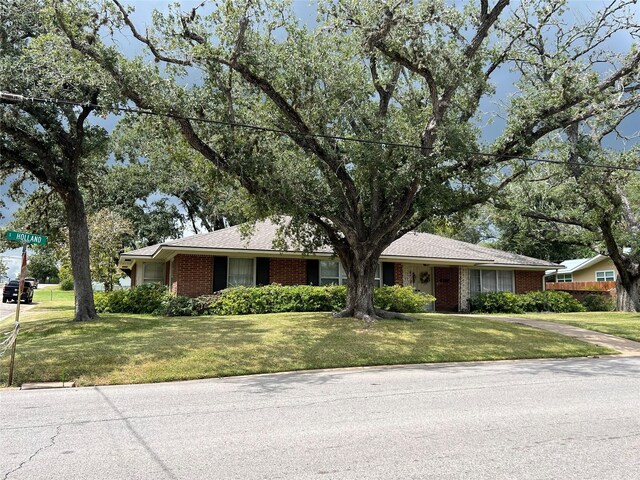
(262,271)
(388,275)
(313,272)
(219,273)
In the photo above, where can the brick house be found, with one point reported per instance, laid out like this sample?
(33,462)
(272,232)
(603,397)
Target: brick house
(450,270)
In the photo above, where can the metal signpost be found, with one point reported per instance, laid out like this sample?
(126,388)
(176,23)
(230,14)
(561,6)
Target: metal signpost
(24,238)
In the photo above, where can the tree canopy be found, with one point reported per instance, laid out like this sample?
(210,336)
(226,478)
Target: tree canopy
(407,78)
(51,143)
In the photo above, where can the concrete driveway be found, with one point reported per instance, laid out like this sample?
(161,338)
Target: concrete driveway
(542,419)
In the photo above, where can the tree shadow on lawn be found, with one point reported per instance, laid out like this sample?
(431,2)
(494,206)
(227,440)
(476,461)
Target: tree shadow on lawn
(102,348)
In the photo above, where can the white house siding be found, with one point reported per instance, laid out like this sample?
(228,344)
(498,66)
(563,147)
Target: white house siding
(464,289)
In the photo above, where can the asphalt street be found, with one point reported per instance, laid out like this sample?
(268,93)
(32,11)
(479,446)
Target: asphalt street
(542,419)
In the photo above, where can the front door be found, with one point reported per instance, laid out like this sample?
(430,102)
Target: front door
(420,277)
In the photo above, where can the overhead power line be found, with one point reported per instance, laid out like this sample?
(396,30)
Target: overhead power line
(6,97)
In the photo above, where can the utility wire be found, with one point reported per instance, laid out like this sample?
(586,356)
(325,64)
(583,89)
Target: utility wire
(6,97)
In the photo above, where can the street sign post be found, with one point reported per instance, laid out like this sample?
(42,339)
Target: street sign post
(23,237)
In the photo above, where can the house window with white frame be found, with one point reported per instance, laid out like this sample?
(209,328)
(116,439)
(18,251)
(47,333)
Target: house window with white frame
(241,272)
(153,273)
(484,281)
(564,277)
(606,276)
(332,273)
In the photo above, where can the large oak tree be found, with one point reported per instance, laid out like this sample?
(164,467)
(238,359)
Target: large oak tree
(393,73)
(52,144)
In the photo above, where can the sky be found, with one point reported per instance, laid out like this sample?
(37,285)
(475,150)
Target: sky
(306,11)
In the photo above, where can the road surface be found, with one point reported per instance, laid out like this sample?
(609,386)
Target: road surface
(542,419)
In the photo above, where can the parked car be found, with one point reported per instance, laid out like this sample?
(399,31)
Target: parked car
(34,282)
(10,292)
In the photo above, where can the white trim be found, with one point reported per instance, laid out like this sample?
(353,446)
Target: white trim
(581,266)
(605,276)
(564,281)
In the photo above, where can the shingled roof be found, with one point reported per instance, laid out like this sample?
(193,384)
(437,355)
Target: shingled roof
(412,246)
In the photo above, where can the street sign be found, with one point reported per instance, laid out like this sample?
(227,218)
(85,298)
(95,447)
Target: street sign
(26,237)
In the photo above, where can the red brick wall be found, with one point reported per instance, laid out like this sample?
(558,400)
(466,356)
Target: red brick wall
(397,273)
(192,275)
(446,288)
(288,271)
(527,281)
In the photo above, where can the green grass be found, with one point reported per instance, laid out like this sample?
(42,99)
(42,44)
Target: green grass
(621,324)
(139,348)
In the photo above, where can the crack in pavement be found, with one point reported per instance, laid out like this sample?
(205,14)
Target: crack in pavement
(52,442)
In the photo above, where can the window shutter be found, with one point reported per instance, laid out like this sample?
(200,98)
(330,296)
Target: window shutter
(388,275)
(262,271)
(313,272)
(219,273)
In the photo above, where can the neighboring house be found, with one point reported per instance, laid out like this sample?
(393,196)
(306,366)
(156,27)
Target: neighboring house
(596,274)
(450,270)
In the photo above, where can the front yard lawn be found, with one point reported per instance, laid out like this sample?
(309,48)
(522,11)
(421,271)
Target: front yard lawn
(621,324)
(121,348)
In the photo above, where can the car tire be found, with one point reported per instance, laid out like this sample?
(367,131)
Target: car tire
(4,300)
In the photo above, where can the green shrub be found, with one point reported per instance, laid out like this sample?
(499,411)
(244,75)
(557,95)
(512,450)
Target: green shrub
(552,301)
(507,302)
(401,299)
(305,298)
(66,278)
(101,301)
(146,298)
(276,299)
(254,300)
(599,303)
(496,302)
(176,306)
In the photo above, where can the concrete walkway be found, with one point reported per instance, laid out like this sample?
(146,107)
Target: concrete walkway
(627,348)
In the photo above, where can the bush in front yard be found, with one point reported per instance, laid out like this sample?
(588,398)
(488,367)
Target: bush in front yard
(599,303)
(507,302)
(401,299)
(552,301)
(254,300)
(496,302)
(277,298)
(145,298)
(305,298)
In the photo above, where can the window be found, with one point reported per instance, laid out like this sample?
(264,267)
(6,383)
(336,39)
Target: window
(564,277)
(606,276)
(482,281)
(240,272)
(153,273)
(332,273)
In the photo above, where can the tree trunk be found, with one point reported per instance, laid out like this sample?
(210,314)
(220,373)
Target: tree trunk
(360,278)
(628,294)
(79,250)
(361,275)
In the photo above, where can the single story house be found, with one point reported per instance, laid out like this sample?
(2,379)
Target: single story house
(595,269)
(584,276)
(450,270)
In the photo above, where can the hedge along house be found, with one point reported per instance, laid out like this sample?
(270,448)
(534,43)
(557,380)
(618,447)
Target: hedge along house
(450,270)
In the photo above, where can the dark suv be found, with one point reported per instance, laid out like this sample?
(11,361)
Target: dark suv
(10,292)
